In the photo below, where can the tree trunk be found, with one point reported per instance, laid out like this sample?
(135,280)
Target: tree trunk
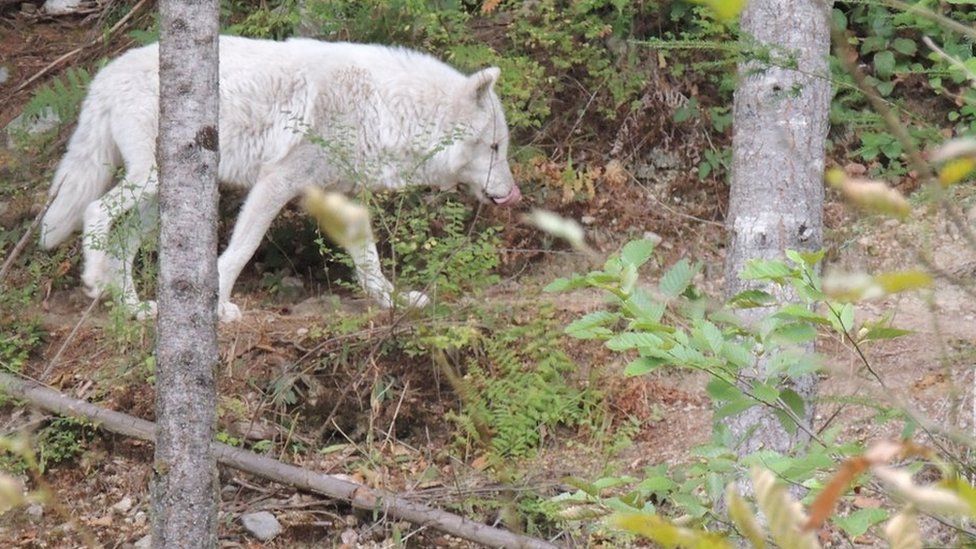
(780,126)
(184,494)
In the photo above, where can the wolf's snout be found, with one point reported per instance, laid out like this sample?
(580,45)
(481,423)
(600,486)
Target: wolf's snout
(510,199)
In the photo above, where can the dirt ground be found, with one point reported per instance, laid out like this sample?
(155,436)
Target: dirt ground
(105,491)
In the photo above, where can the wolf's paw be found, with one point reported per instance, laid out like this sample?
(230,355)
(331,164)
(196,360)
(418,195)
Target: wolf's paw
(414,300)
(97,276)
(228,312)
(143,310)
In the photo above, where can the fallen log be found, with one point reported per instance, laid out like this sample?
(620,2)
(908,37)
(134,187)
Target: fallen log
(357,495)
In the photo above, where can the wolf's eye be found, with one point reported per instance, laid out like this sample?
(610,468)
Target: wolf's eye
(494,147)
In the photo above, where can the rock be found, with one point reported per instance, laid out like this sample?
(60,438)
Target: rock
(145,542)
(4,75)
(349,537)
(262,525)
(123,506)
(588,219)
(35,511)
(61,7)
(46,121)
(139,519)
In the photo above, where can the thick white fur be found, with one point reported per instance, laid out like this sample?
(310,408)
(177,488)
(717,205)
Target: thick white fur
(292,114)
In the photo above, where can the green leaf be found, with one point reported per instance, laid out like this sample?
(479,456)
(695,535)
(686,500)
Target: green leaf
(765,392)
(637,252)
(738,355)
(643,365)
(656,485)
(676,280)
(720,390)
(800,312)
(641,306)
(884,332)
(713,336)
(632,340)
(564,284)
(792,399)
(858,522)
(904,46)
(592,325)
(793,333)
(766,269)
(752,298)
(734,407)
(884,64)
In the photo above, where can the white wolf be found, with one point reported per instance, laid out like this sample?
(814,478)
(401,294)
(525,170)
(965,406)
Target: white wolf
(292,114)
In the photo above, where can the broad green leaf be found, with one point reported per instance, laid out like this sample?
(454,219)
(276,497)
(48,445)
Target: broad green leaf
(884,332)
(656,485)
(904,46)
(752,298)
(640,305)
(858,522)
(632,340)
(713,336)
(721,390)
(800,312)
(884,64)
(564,284)
(738,355)
(612,482)
(676,280)
(765,269)
(764,392)
(792,399)
(810,259)
(628,278)
(734,407)
(637,252)
(793,333)
(592,325)
(643,365)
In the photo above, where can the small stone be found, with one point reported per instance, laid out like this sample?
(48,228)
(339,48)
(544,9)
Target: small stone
(139,519)
(4,75)
(35,511)
(349,537)
(653,237)
(588,219)
(302,332)
(61,7)
(123,506)
(145,542)
(262,525)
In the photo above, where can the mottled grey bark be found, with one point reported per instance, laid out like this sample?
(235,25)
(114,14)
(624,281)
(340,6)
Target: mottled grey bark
(184,492)
(780,126)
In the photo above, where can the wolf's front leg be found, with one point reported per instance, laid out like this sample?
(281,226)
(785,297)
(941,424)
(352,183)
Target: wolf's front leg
(376,286)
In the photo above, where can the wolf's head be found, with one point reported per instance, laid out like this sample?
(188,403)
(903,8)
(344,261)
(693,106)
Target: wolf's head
(479,158)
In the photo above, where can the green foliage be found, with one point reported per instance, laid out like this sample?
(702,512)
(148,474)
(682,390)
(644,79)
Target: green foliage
(672,324)
(276,22)
(517,382)
(431,244)
(61,440)
(61,97)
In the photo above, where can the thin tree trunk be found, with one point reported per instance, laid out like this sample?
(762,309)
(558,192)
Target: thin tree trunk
(780,126)
(359,496)
(184,493)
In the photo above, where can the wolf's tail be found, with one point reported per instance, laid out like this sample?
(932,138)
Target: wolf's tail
(83,175)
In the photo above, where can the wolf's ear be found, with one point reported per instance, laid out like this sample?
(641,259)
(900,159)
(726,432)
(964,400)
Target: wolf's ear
(480,83)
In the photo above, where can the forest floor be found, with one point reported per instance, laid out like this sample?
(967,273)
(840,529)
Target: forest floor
(405,444)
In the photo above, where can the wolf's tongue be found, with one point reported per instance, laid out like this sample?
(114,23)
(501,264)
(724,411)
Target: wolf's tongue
(511,199)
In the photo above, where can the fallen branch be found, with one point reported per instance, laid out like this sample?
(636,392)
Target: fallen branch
(357,495)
